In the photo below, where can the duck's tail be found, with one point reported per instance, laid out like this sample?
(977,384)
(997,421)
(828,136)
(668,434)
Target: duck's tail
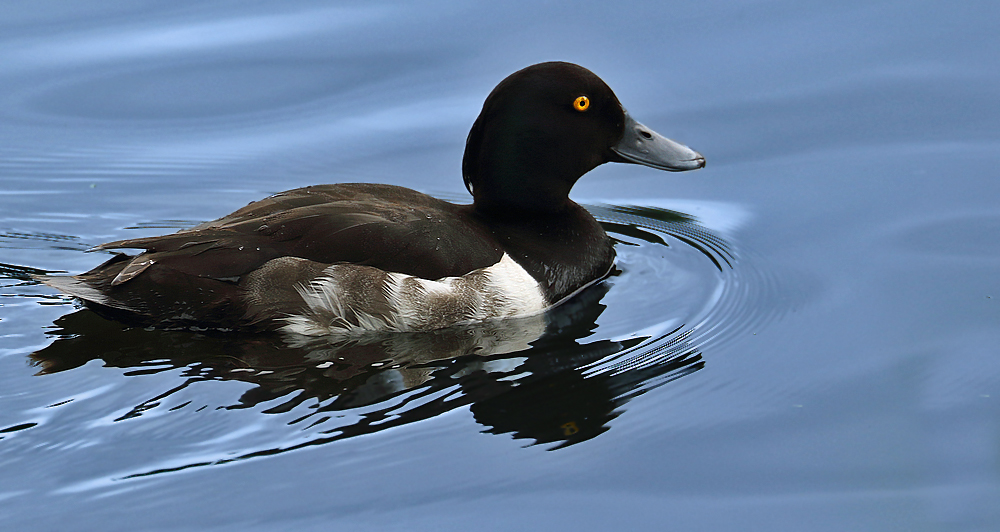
(91,286)
(76,287)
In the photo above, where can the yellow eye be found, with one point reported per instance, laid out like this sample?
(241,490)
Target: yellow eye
(581,104)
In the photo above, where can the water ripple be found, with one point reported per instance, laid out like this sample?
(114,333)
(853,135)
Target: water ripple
(114,45)
(681,289)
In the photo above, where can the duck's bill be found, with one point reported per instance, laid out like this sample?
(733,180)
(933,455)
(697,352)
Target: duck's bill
(641,145)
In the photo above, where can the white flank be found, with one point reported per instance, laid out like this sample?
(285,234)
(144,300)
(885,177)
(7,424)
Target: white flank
(336,303)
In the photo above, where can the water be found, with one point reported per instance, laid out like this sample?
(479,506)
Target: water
(802,336)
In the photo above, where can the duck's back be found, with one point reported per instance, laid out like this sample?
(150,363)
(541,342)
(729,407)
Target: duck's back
(385,226)
(203,274)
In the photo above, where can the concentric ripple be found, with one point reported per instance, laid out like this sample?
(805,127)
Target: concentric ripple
(681,289)
(709,303)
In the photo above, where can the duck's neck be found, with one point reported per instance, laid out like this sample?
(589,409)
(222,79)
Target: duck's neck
(521,194)
(528,182)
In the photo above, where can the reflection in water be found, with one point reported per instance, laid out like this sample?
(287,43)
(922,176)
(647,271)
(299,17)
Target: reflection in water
(556,379)
(520,376)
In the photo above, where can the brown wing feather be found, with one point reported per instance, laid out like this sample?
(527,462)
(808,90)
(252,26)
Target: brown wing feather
(386,227)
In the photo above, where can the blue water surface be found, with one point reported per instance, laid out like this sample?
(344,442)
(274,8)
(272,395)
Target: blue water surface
(801,336)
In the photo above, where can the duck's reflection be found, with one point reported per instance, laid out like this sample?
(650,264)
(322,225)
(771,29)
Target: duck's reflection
(524,377)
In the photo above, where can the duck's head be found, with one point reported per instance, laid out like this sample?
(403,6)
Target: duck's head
(545,126)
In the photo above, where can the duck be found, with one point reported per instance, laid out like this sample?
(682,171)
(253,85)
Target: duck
(349,258)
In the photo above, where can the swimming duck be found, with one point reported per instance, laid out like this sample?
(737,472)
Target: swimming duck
(343,258)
